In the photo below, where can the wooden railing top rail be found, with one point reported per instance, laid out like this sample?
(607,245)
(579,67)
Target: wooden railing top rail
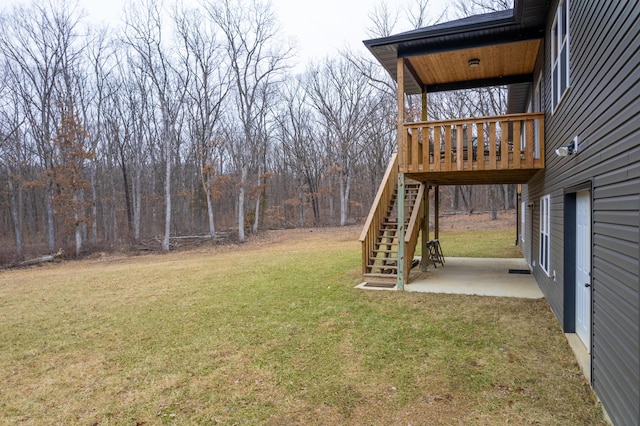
(507,117)
(391,168)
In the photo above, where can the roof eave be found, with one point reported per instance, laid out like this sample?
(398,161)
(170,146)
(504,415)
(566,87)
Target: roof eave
(517,24)
(459,26)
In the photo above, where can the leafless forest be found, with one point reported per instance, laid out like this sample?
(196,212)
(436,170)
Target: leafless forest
(181,122)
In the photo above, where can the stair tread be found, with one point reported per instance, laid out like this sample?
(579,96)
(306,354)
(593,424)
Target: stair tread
(382,262)
(383,267)
(378,275)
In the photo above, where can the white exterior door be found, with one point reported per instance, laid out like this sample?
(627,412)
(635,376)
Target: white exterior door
(583,267)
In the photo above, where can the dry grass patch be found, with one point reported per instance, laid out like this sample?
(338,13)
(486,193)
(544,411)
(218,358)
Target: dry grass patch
(273,332)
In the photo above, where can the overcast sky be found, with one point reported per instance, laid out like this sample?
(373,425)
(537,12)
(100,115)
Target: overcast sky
(320,28)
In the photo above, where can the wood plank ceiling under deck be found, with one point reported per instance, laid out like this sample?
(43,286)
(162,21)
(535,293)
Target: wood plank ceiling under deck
(473,177)
(498,60)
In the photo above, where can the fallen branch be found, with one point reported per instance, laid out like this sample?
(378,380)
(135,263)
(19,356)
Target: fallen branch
(191,237)
(43,259)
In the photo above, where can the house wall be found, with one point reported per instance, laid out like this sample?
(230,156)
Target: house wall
(601,107)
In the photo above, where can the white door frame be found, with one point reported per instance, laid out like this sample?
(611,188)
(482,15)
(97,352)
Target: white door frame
(583,280)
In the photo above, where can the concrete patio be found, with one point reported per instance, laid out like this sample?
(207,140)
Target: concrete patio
(475,276)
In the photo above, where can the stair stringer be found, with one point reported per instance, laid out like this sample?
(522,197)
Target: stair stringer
(379,238)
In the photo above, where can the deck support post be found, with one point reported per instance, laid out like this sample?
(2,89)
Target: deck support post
(402,144)
(425,229)
(402,158)
(424,104)
(436,217)
(401,233)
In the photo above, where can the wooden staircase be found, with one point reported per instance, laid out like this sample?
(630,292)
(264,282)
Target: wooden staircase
(382,262)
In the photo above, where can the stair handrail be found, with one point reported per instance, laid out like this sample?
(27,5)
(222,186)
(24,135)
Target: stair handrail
(413,230)
(378,209)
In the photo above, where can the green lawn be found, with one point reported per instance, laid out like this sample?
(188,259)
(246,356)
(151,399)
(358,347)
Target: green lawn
(482,243)
(273,333)
(497,243)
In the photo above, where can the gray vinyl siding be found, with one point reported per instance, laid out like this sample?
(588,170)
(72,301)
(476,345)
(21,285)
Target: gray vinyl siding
(602,107)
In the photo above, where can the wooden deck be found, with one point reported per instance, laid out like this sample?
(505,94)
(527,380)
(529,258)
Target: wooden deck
(500,149)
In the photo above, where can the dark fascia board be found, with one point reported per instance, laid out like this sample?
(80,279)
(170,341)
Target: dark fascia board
(485,82)
(485,21)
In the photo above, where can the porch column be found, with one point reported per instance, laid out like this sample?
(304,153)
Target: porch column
(401,161)
(425,229)
(424,104)
(402,146)
(425,202)
(436,218)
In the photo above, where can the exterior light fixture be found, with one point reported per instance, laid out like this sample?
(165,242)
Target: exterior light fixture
(474,63)
(570,149)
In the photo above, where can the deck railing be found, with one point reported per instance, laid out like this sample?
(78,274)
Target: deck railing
(507,142)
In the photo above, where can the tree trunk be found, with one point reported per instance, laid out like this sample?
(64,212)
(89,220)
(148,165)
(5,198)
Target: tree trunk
(465,200)
(167,194)
(51,233)
(456,198)
(32,213)
(137,202)
(256,219)
(243,180)
(206,186)
(313,194)
(111,231)
(331,200)
(127,195)
(16,208)
(77,224)
(492,202)
(345,189)
(302,203)
(94,207)
(212,225)
(43,259)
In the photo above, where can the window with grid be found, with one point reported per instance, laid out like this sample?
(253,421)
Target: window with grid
(560,53)
(545,227)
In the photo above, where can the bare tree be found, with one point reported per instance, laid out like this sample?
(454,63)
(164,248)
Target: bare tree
(35,42)
(381,140)
(476,7)
(12,155)
(302,151)
(345,103)
(418,14)
(95,94)
(178,129)
(257,60)
(383,20)
(144,30)
(125,114)
(206,95)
